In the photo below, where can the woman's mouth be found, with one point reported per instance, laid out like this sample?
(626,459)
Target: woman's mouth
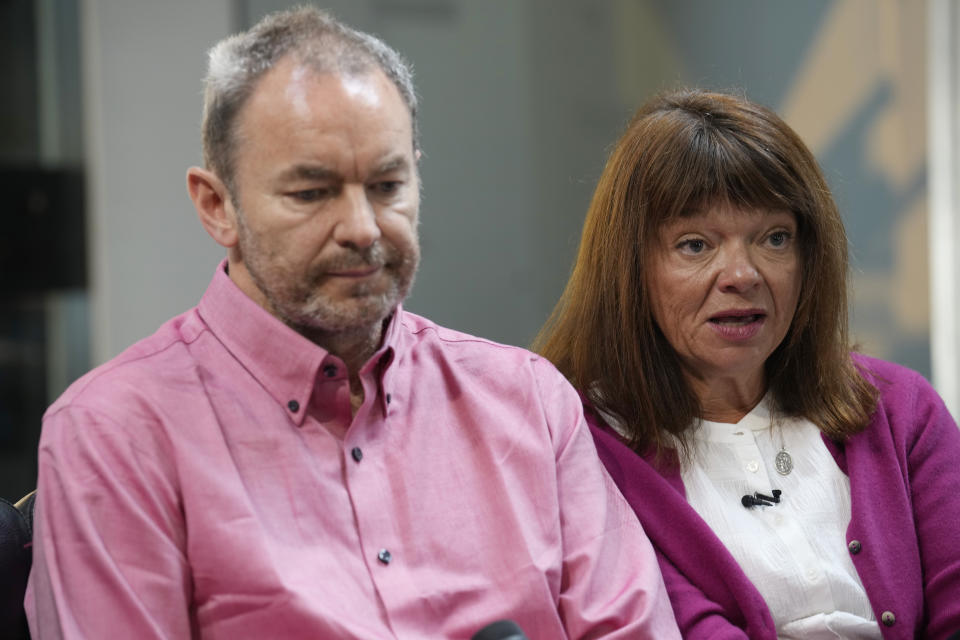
(738,326)
(736,320)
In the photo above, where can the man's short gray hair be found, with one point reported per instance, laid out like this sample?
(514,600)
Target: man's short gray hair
(317,40)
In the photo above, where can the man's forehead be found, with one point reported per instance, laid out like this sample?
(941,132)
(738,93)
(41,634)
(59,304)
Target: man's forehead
(294,90)
(296,78)
(299,80)
(297,90)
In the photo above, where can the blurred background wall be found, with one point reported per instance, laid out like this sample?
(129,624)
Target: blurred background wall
(521,100)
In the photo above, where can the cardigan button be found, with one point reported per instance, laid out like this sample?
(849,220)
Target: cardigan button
(888,619)
(854,547)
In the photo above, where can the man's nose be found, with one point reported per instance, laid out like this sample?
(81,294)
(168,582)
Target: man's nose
(357,219)
(738,269)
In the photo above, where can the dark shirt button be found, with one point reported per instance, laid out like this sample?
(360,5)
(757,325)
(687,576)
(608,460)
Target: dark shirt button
(357,454)
(293,405)
(385,557)
(887,618)
(854,546)
(330,370)
(388,398)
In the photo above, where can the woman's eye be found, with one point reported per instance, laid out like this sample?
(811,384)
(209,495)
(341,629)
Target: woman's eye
(693,245)
(779,238)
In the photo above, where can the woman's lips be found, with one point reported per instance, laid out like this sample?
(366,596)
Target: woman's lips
(736,320)
(738,325)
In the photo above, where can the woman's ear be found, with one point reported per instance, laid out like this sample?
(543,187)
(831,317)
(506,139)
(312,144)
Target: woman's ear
(214,206)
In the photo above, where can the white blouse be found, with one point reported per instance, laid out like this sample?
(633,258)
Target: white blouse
(794,552)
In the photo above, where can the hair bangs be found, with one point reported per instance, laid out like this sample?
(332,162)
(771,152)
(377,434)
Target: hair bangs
(730,168)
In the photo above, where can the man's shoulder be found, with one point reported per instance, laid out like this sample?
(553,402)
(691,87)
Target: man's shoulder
(506,380)
(489,363)
(424,332)
(145,367)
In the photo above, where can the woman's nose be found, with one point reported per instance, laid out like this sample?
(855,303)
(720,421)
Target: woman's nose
(738,270)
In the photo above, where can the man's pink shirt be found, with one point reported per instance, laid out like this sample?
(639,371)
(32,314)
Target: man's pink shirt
(210,482)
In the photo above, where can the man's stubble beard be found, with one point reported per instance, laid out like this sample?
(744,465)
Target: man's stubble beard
(299,301)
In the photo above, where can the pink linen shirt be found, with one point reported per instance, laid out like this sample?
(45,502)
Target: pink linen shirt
(210,482)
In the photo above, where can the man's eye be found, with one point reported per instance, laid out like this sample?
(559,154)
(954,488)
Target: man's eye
(309,195)
(387,187)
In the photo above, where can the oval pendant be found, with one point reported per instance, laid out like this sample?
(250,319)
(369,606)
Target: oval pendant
(783,463)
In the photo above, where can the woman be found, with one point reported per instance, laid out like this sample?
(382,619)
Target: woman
(791,489)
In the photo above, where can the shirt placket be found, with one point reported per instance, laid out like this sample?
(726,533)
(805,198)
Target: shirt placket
(787,527)
(367,475)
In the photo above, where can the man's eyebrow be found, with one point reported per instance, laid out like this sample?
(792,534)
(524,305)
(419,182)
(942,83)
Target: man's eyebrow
(395,163)
(312,172)
(307,172)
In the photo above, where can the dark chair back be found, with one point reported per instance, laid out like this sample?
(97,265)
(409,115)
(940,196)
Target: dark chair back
(16,555)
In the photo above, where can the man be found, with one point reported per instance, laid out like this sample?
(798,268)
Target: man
(298,457)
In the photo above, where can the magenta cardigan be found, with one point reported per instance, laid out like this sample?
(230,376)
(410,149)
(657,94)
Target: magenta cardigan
(904,531)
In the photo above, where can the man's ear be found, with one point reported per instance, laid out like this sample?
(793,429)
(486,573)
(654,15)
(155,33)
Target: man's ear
(214,207)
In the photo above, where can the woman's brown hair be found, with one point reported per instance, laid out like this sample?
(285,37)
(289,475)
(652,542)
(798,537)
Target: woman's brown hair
(681,152)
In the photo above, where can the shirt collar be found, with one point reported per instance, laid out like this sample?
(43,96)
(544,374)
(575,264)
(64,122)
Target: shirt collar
(760,418)
(284,362)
